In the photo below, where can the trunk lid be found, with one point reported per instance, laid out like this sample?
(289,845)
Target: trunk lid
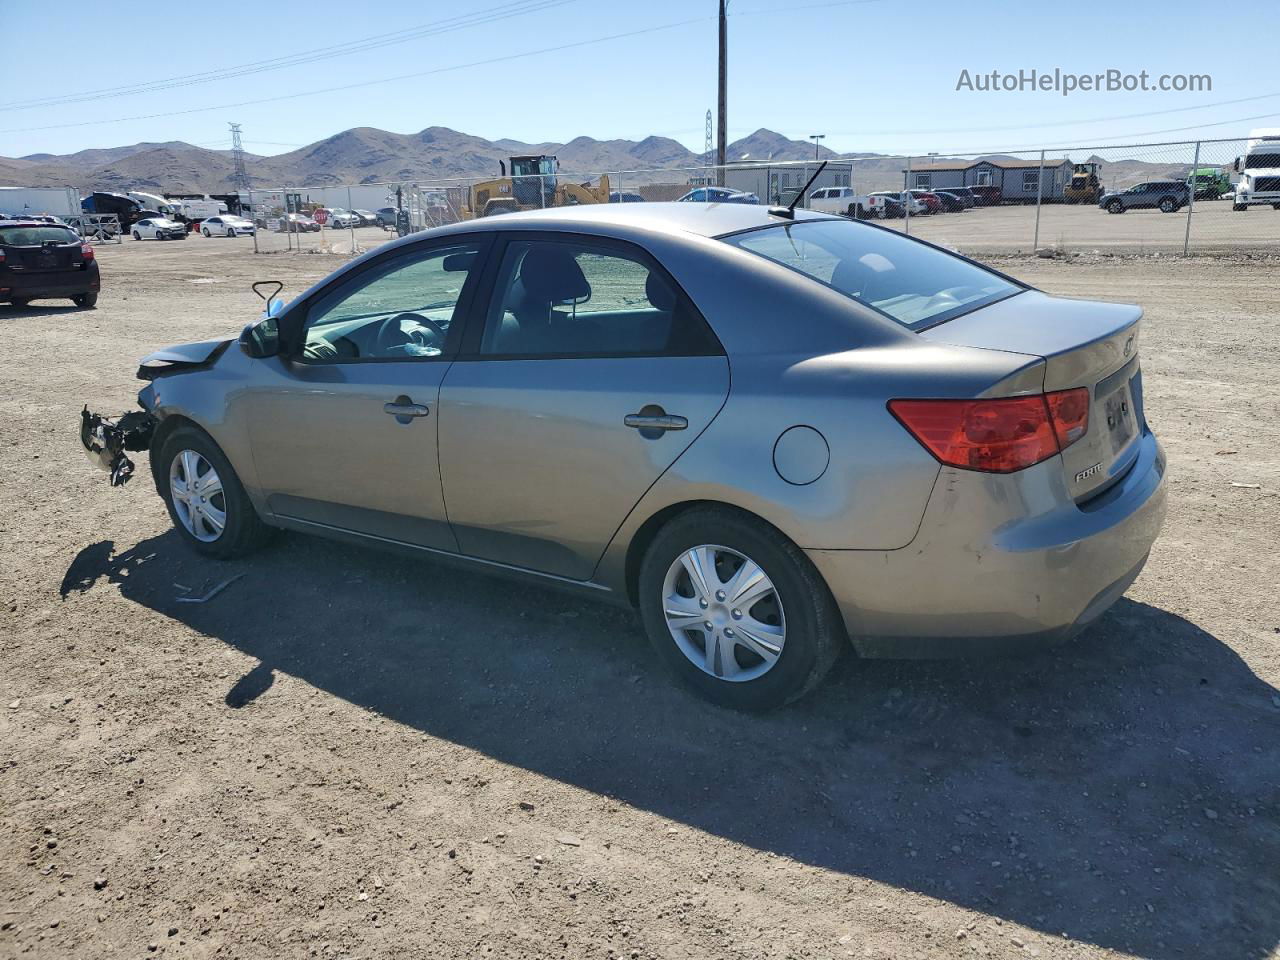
(1083,344)
(43,259)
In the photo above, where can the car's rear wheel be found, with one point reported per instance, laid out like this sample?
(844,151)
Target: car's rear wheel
(137,235)
(736,611)
(86,300)
(206,501)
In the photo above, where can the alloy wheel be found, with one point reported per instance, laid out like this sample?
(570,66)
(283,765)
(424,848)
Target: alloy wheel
(724,613)
(198,497)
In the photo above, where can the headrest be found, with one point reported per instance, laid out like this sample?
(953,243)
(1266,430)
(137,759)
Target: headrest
(659,292)
(550,274)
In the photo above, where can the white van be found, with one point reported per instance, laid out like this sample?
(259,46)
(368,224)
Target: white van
(1259,171)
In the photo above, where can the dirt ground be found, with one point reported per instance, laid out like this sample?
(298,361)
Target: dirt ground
(347,754)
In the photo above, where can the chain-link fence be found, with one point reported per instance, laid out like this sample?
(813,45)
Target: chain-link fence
(1215,197)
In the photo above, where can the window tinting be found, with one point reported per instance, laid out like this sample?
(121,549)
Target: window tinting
(915,284)
(36,236)
(575,298)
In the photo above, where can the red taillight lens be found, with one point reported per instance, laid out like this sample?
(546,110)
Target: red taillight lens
(999,435)
(1069,411)
(86,251)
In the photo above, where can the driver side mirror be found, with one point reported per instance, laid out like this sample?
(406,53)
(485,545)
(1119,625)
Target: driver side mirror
(261,339)
(1236,166)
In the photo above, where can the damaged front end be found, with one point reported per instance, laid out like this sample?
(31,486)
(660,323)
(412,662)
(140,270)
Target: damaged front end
(105,440)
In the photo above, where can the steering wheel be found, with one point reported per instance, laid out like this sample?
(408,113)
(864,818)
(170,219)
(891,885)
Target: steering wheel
(382,340)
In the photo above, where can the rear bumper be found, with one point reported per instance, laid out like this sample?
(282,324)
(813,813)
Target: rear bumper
(1002,563)
(44,286)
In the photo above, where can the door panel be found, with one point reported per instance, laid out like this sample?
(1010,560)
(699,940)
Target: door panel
(538,466)
(326,450)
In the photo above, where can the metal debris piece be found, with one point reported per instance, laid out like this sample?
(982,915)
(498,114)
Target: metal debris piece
(212,593)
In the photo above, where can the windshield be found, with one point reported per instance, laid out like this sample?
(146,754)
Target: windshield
(36,236)
(911,282)
(1262,161)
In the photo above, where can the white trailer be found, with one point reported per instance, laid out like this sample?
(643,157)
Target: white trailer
(31,201)
(149,201)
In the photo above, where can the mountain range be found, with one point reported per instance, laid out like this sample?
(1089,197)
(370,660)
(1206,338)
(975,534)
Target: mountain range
(370,155)
(362,155)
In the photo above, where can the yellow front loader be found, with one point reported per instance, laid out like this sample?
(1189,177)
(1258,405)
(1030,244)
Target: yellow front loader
(533,185)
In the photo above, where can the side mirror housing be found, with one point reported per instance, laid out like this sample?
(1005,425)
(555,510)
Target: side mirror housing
(1236,166)
(261,339)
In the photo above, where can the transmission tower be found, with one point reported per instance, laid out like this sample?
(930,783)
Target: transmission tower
(240,176)
(709,145)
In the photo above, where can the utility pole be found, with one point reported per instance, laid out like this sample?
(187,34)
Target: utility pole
(722,141)
(816,137)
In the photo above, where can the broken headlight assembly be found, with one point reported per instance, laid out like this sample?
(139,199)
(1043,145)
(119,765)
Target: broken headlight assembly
(105,440)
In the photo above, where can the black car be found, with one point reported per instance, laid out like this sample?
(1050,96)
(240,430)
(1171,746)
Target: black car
(43,261)
(893,209)
(1168,196)
(951,202)
(966,196)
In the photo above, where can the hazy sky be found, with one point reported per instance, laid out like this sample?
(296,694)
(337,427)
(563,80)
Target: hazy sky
(874,75)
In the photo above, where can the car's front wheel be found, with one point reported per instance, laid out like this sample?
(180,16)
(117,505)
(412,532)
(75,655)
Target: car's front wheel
(86,300)
(206,501)
(736,611)
(230,232)
(1168,205)
(1115,206)
(137,235)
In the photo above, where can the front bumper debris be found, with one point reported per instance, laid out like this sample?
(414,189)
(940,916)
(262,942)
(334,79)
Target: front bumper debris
(105,440)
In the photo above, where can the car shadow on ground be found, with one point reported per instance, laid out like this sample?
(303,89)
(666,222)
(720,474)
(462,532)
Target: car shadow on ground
(1121,790)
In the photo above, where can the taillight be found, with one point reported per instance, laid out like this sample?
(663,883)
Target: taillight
(999,435)
(86,251)
(1069,411)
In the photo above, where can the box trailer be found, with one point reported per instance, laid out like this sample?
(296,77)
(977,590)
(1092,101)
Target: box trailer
(34,201)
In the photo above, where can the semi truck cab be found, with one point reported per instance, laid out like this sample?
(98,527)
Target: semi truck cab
(1259,171)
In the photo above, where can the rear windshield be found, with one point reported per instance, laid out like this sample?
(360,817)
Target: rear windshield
(36,236)
(915,284)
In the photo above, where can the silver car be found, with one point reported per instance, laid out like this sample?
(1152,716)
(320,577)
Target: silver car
(776,435)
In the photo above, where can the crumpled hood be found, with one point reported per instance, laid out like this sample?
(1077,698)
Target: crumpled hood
(183,356)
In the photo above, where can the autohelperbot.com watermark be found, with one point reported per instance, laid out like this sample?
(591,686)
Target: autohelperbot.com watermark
(1066,83)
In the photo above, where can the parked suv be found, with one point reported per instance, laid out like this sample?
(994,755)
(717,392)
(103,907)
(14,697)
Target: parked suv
(1168,196)
(44,261)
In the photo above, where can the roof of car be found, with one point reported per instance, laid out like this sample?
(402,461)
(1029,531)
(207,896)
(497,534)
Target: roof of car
(703,219)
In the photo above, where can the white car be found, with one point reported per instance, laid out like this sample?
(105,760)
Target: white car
(226,225)
(159,228)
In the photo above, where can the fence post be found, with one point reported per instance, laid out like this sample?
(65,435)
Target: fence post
(352,231)
(1191,201)
(1035,243)
(906,200)
(253,217)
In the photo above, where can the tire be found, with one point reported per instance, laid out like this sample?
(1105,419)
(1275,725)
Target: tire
(1275,206)
(1237,207)
(137,235)
(205,231)
(1115,206)
(231,232)
(242,530)
(798,602)
(1168,205)
(20,302)
(86,300)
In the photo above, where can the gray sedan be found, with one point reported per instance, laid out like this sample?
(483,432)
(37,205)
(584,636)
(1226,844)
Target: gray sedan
(776,436)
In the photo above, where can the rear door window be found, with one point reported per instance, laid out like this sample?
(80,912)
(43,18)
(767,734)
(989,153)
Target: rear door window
(584,298)
(913,283)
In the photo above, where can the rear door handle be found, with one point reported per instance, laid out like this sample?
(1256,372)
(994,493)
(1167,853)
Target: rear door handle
(664,421)
(404,409)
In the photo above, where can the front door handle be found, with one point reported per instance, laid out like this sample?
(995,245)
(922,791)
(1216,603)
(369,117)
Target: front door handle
(660,422)
(404,409)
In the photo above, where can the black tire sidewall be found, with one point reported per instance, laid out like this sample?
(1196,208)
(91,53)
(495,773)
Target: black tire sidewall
(243,526)
(806,602)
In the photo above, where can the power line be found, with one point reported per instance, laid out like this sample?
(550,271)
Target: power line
(478,18)
(369,83)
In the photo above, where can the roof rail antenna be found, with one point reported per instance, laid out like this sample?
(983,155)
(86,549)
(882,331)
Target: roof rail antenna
(789,211)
